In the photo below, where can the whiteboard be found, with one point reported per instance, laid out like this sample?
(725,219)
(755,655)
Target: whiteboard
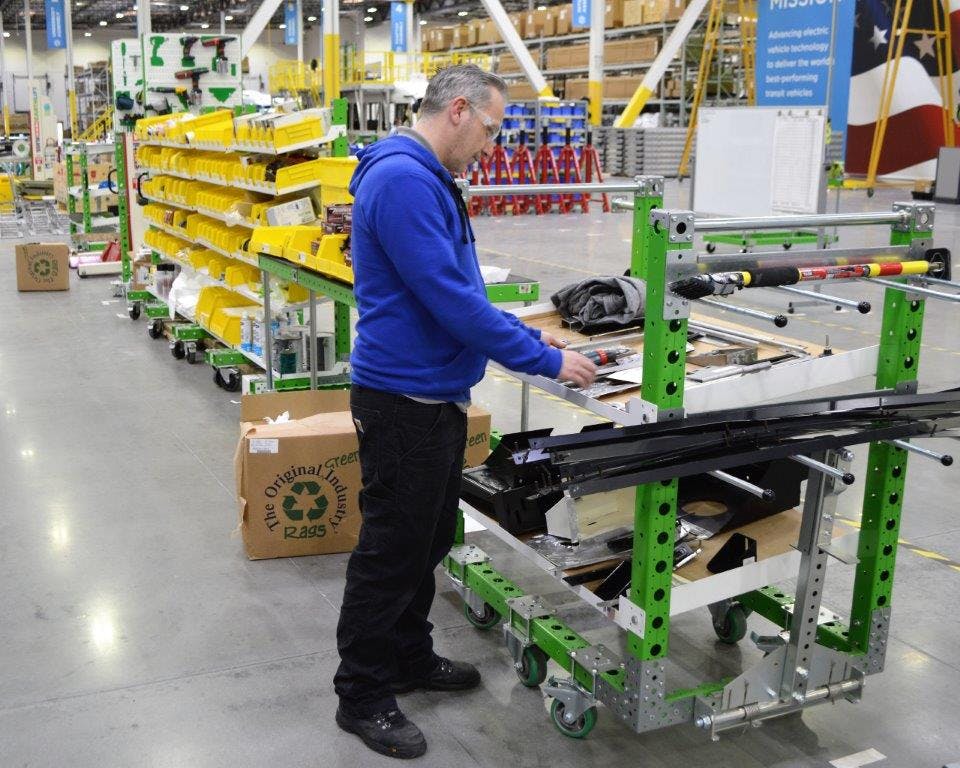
(758,161)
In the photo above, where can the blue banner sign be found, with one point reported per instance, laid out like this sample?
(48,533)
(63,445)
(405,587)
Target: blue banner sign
(292,22)
(793,55)
(398,27)
(581,13)
(56,27)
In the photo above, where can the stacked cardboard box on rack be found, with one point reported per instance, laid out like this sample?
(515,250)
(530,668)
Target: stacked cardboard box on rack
(613,87)
(550,22)
(614,52)
(97,171)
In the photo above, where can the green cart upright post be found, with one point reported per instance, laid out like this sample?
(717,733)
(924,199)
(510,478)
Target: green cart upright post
(119,156)
(71,200)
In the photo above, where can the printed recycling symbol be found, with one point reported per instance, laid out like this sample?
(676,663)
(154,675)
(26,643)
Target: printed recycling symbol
(305,494)
(42,267)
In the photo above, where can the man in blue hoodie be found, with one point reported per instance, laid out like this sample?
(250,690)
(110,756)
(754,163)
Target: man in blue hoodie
(425,333)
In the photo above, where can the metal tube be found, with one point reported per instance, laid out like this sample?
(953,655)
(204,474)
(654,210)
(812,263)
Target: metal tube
(4,93)
(778,320)
(300,32)
(551,189)
(817,257)
(846,477)
(944,458)
(939,281)
(911,288)
(752,223)
(71,84)
(749,338)
(766,494)
(312,296)
(863,307)
(766,709)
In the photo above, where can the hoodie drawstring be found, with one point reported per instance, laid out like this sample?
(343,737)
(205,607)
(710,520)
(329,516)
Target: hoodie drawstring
(465,227)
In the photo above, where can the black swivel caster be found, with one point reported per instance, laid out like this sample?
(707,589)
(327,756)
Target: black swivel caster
(178,349)
(155,329)
(134,310)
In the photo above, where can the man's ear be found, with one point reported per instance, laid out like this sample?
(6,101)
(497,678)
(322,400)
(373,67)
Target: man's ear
(457,107)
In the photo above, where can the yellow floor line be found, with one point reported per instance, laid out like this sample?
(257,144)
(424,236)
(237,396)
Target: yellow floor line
(929,554)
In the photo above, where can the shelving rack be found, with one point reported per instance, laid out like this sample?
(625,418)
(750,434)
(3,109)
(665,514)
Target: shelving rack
(83,222)
(214,154)
(93,92)
(815,659)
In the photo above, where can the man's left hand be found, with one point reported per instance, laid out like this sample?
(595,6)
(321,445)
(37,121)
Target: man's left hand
(553,341)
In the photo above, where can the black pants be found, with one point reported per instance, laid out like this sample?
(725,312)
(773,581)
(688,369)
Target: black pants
(411,458)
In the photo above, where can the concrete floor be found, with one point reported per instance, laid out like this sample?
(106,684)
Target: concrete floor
(136,633)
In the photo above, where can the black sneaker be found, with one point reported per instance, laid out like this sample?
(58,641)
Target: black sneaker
(389,733)
(447,676)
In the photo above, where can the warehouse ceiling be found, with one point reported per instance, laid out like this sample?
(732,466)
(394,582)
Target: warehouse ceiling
(193,14)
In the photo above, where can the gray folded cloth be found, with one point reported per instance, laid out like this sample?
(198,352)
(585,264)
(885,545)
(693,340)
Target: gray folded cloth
(601,301)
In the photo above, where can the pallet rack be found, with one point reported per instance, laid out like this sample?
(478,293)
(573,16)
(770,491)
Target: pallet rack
(83,222)
(819,657)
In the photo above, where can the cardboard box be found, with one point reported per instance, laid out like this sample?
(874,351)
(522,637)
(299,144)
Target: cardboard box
(548,24)
(43,267)
(654,11)
(489,34)
(632,13)
(576,88)
(675,9)
(476,27)
(620,87)
(461,36)
(518,20)
(564,19)
(532,25)
(630,51)
(520,92)
(507,63)
(298,482)
(613,16)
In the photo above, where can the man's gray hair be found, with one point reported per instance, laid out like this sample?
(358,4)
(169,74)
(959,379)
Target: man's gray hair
(466,80)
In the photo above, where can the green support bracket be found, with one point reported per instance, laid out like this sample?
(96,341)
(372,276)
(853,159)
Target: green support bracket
(156,310)
(220,358)
(85,189)
(71,201)
(897,364)
(139,296)
(341,331)
(664,361)
(550,634)
(189,332)
(774,604)
(502,293)
(341,147)
(126,267)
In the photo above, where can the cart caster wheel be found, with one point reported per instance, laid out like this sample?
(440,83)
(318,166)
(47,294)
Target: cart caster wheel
(134,310)
(155,329)
(786,246)
(733,627)
(532,667)
(711,247)
(486,620)
(574,728)
(232,382)
(870,192)
(194,356)
(743,250)
(178,350)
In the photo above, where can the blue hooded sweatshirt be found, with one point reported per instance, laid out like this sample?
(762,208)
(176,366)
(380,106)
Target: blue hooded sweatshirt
(426,327)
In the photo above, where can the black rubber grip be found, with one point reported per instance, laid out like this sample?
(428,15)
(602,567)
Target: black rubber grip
(771,276)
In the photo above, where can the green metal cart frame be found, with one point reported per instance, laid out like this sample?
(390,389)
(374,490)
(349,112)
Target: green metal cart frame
(821,658)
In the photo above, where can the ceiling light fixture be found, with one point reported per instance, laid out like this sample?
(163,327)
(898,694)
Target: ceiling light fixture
(423,22)
(88,34)
(184,7)
(368,18)
(311,18)
(119,15)
(282,26)
(6,34)
(371,10)
(103,23)
(204,26)
(228,18)
(541,7)
(461,14)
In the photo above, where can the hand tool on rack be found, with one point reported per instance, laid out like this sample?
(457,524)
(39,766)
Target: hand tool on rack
(179,91)
(155,42)
(186,44)
(221,64)
(194,75)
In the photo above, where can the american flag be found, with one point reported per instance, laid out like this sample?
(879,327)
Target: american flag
(915,126)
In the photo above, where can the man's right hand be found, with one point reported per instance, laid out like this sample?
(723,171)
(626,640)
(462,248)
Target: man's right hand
(577,368)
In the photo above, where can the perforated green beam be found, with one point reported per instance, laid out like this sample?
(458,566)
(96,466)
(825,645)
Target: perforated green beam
(123,211)
(664,360)
(550,634)
(897,362)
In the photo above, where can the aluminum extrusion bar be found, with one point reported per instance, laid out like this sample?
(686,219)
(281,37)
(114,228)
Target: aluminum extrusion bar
(913,288)
(766,494)
(523,190)
(752,223)
(778,320)
(863,307)
(944,458)
(817,257)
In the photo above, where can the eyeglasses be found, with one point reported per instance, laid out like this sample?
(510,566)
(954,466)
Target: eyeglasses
(492,128)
